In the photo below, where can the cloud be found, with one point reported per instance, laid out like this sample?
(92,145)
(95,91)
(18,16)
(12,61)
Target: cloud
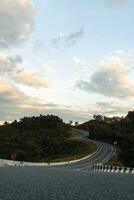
(116,108)
(72,38)
(10,69)
(9,64)
(112,80)
(78,61)
(11,95)
(14,104)
(62,41)
(116,3)
(30,78)
(16,21)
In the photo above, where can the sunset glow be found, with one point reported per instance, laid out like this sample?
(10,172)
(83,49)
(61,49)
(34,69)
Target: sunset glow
(69,58)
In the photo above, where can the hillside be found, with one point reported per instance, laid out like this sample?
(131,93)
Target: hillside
(40,139)
(117,131)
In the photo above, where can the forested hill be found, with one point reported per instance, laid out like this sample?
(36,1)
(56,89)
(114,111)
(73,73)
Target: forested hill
(120,130)
(34,138)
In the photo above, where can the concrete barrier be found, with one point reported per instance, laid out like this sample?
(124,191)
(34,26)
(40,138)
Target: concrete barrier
(113,169)
(5,163)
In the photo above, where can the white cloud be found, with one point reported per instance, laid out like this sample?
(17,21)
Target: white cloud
(30,78)
(14,104)
(10,68)
(16,21)
(8,64)
(78,61)
(114,108)
(111,80)
(72,38)
(11,95)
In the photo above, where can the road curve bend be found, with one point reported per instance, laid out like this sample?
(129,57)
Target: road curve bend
(100,156)
(103,153)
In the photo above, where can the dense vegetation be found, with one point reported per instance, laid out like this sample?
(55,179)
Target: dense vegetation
(34,138)
(40,139)
(111,130)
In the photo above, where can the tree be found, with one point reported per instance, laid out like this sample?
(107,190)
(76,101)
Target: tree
(76,124)
(98,117)
(70,122)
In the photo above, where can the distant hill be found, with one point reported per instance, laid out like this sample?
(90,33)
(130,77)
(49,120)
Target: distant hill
(34,138)
(114,130)
(41,139)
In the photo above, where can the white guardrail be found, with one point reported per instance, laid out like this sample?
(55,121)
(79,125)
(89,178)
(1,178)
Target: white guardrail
(6,163)
(112,169)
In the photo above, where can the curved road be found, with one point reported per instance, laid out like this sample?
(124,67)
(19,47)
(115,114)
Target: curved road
(68,182)
(102,155)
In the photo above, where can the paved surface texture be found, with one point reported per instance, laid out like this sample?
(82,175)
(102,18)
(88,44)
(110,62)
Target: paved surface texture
(103,154)
(71,182)
(38,183)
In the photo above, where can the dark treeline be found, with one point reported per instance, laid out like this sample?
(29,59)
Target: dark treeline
(34,138)
(111,130)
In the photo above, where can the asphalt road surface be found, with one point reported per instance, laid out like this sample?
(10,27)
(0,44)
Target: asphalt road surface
(102,155)
(72,182)
(38,183)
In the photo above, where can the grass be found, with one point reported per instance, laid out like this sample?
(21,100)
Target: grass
(114,161)
(85,149)
(73,133)
(76,149)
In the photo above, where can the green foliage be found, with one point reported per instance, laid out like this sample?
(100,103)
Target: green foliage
(114,129)
(34,138)
(20,155)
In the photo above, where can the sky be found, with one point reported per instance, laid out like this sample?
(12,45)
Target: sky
(69,58)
